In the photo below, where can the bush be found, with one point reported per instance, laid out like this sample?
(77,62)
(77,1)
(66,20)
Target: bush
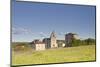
(20,46)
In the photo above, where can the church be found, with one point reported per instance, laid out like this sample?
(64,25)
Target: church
(46,43)
(51,42)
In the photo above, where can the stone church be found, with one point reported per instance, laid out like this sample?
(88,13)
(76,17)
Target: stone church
(51,42)
(46,43)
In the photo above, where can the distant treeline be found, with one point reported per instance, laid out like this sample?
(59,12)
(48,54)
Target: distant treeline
(75,42)
(79,42)
(20,44)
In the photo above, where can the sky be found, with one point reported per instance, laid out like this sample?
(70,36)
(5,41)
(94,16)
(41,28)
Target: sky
(34,20)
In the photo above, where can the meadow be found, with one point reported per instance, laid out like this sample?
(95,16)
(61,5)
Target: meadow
(58,55)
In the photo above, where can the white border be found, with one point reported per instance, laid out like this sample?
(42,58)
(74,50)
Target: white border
(5,33)
(88,2)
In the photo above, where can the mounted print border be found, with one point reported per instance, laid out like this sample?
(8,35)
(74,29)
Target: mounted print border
(45,33)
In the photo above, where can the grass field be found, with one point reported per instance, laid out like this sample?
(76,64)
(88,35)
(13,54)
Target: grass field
(59,55)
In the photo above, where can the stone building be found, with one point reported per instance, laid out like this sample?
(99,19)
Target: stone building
(47,42)
(38,45)
(51,42)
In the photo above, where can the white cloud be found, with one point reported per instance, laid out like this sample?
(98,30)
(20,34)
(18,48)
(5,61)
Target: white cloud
(61,33)
(42,34)
(19,30)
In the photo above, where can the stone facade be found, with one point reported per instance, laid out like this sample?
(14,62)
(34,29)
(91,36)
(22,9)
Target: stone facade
(47,43)
(51,42)
(38,45)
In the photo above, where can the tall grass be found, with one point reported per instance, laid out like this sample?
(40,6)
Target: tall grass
(71,54)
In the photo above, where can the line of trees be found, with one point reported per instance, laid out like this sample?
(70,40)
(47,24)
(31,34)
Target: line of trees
(79,42)
(17,46)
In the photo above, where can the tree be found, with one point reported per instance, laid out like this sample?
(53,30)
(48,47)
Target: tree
(76,42)
(90,41)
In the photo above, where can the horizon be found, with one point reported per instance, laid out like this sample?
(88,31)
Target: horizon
(37,20)
(49,37)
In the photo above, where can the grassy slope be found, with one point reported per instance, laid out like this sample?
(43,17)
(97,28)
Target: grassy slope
(72,54)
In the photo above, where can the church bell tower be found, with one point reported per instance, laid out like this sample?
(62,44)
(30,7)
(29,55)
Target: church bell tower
(53,40)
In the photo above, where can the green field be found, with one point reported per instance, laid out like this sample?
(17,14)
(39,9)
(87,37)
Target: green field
(58,55)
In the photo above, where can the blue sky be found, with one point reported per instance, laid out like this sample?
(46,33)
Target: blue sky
(37,20)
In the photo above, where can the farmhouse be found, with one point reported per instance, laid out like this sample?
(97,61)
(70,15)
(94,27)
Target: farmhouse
(38,45)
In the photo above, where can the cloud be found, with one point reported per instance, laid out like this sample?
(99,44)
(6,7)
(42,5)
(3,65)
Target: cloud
(19,30)
(42,34)
(61,33)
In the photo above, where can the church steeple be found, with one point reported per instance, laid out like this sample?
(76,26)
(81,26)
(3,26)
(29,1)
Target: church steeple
(53,40)
(53,34)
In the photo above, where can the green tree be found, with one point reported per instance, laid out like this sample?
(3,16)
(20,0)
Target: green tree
(90,41)
(76,42)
